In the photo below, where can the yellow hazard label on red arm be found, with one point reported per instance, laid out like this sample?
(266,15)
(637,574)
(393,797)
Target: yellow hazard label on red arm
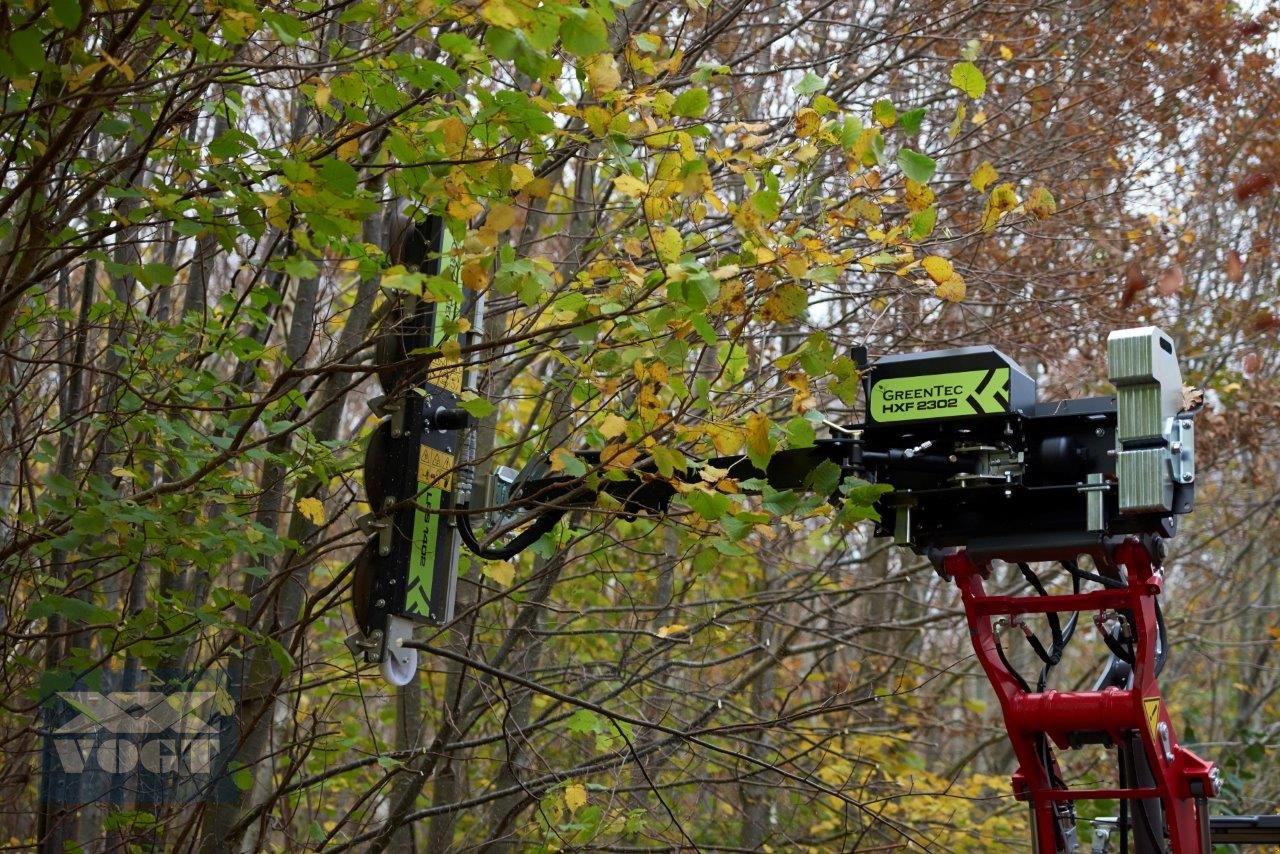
(1152,706)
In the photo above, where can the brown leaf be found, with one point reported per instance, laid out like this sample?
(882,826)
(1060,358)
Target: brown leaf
(1252,361)
(1234,267)
(1264,321)
(1135,281)
(1191,397)
(1218,77)
(1257,181)
(1252,28)
(1171,281)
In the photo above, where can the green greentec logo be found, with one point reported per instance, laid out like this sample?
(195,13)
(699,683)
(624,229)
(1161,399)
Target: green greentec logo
(981,392)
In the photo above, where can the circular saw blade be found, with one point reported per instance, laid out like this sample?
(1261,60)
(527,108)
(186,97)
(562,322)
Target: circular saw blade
(390,353)
(363,576)
(377,459)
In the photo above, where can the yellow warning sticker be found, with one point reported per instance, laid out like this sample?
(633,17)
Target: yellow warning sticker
(1152,705)
(433,464)
(446,375)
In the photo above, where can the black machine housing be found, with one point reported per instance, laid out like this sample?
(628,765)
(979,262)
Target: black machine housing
(1006,476)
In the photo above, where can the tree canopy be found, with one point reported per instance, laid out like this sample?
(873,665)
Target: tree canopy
(683,215)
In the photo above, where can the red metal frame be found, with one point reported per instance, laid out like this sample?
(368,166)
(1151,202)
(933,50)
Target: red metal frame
(1179,782)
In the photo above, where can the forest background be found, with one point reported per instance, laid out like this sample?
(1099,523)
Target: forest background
(685,214)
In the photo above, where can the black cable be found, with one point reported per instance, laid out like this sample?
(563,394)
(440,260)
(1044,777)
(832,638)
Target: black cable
(1117,648)
(1162,652)
(1067,633)
(1072,567)
(1007,666)
(541,525)
(1055,626)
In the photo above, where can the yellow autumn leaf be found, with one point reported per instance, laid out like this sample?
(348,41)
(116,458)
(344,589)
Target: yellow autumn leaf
(312,509)
(575,796)
(951,289)
(939,269)
(500,217)
(917,196)
(602,74)
(630,185)
(618,455)
(538,188)
(500,13)
(1041,204)
(503,572)
(613,426)
(668,243)
(953,129)
(807,122)
(983,176)
(119,471)
(1006,52)
(464,208)
(562,458)
(1002,199)
(727,439)
(520,175)
(597,118)
(672,630)
(758,433)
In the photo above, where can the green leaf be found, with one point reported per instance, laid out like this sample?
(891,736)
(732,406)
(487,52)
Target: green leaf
(583,33)
(398,279)
(883,113)
(768,203)
(916,166)
(709,505)
(475,405)
(286,27)
(911,119)
(923,222)
(800,433)
(692,103)
(67,13)
(810,84)
(704,329)
(243,778)
(669,461)
(304,268)
(27,48)
(73,609)
(966,77)
(338,176)
(583,721)
(824,479)
(780,502)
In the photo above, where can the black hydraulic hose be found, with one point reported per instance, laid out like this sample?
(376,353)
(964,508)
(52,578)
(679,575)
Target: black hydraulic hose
(1072,567)
(1162,651)
(1068,633)
(1117,648)
(541,525)
(1007,666)
(1055,627)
